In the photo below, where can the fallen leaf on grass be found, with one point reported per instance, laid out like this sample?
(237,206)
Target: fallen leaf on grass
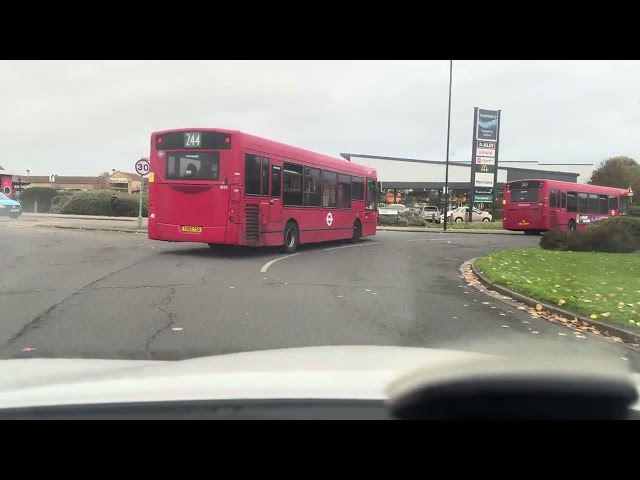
(561,302)
(605,314)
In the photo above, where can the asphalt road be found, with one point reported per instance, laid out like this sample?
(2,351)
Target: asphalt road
(89,294)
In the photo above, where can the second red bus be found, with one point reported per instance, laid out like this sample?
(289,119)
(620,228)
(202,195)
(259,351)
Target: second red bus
(537,205)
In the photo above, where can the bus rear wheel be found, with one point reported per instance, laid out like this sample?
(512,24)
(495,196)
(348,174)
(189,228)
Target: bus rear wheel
(357,232)
(291,238)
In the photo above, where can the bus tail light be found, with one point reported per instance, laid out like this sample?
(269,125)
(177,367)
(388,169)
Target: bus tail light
(235,194)
(232,210)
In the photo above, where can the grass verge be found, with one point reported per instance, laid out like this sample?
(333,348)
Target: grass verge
(602,286)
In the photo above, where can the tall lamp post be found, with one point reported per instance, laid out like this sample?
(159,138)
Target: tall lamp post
(446,175)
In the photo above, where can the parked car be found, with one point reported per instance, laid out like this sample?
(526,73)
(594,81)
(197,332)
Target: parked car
(429,213)
(392,209)
(459,215)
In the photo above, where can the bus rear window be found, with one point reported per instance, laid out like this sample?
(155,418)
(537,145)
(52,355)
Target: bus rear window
(522,196)
(193,166)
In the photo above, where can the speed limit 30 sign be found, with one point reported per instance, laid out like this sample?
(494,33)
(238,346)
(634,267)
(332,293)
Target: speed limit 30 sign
(142,167)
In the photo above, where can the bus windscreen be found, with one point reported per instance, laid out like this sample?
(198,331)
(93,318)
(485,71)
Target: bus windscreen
(525,191)
(193,165)
(524,196)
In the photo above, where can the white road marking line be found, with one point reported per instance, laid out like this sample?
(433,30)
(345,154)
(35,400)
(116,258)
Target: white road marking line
(266,266)
(433,239)
(349,246)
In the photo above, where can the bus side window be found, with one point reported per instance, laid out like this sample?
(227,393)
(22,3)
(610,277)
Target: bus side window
(344,191)
(624,205)
(276,181)
(603,205)
(572,202)
(583,203)
(613,202)
(265,177)
(251,174)
(593,203)
(357,189)
(553,198)
(329,188)
(563,200)
(371,195)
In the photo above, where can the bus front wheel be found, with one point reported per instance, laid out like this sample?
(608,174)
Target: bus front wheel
(291,238)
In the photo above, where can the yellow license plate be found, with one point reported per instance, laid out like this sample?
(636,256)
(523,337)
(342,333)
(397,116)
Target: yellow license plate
(191,229)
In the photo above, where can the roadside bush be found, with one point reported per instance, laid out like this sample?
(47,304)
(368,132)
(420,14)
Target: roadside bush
(634,210)
(98,202)
(554,240)
(41,195)
(626,223)
(613,235)
(405,219)
(60,200)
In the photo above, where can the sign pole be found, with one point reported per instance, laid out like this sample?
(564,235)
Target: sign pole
(142,167)
(472,190)
(446,174)
(140,205)
(495,175)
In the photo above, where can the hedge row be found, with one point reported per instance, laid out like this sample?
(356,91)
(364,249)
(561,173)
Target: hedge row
(98,202)
(404,219)
(613,235)
(40,195)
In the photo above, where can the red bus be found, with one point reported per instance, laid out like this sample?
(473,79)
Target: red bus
(219,186)
(535,206)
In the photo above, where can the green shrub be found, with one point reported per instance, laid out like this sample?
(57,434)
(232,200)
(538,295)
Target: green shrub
(634,210)
(630,224)
(405,219)
(554,240)
(612,235)
(58,202)
(98,202)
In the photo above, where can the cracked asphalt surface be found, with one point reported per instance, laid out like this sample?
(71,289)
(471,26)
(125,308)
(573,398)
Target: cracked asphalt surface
(90,294)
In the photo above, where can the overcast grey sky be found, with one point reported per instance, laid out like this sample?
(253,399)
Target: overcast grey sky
(85,117)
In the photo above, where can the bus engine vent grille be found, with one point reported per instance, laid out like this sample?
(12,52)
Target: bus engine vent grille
(553,221)
(251,232)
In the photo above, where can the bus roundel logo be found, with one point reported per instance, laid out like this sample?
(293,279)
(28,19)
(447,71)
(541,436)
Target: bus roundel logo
(329,219)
